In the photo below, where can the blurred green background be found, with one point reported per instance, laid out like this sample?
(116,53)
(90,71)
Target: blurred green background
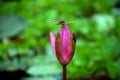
(25,44)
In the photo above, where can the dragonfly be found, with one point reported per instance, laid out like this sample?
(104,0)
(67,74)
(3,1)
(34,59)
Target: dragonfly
(62,22)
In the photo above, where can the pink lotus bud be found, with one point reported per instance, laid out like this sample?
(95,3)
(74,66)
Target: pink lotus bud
(63,45)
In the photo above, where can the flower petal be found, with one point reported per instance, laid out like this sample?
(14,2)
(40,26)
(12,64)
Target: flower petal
(58,47)
(65,35)
(71,47)
(52,40)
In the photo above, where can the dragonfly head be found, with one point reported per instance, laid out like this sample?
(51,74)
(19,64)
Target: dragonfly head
(61,23)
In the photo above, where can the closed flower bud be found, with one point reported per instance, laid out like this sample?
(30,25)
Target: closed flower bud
(63,45)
